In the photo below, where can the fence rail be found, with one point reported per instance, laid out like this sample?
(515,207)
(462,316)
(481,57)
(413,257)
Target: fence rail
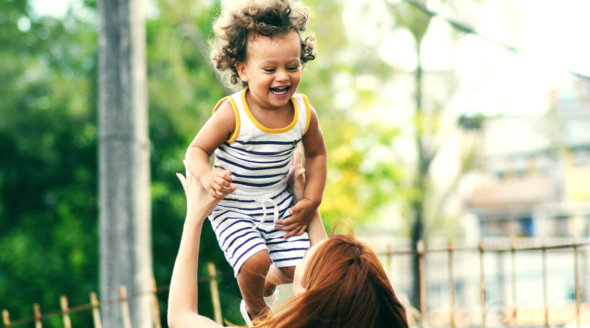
(514,314)
(450,316)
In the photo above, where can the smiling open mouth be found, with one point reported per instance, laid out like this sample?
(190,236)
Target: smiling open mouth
(279,90)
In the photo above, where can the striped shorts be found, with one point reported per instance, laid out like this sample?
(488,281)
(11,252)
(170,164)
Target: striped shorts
(244,227)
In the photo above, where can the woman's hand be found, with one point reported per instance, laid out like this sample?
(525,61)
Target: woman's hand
(297,175)
(301,211)
(183,309)
(199,203)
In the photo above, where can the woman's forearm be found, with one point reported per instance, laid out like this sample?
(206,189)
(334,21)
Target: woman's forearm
(183,295)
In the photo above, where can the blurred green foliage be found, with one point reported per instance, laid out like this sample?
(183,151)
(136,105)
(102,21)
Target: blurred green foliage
(48,145)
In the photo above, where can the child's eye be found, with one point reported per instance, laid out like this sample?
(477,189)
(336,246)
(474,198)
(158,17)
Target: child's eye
(293,68)
(269,70)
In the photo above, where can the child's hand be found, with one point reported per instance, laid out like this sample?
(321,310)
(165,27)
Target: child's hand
(198,201)
(217,182)
(301,214)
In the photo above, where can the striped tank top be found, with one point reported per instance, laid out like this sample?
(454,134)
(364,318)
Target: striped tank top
(257,156)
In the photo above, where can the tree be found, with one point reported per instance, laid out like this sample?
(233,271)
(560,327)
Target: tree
(48,164)
(125,231)
(417,23)
(424,204)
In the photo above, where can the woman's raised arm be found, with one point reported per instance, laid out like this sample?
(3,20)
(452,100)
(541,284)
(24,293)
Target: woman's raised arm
(182,298)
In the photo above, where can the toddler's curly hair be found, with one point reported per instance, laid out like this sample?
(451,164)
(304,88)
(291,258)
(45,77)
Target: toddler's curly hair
(256,17)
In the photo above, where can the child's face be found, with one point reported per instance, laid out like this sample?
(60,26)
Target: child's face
(272,69)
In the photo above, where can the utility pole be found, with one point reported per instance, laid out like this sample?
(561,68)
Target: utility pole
(124,172)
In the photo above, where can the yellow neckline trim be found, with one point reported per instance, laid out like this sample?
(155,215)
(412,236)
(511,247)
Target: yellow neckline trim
(264,128)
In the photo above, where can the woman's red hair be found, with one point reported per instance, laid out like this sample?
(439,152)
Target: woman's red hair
(346,286)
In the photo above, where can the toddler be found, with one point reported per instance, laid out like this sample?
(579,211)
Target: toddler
(254,133)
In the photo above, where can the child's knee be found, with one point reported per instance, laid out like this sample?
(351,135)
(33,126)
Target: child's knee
(257,264)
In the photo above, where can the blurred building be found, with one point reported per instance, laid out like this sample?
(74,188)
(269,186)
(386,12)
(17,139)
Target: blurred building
(534,178)
(533,182)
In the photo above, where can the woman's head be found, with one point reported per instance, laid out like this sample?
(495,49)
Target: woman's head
(342,285)
(243,20)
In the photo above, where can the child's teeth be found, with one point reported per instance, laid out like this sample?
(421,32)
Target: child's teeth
(279,90)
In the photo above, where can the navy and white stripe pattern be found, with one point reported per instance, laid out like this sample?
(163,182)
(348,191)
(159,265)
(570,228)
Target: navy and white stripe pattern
(258,158)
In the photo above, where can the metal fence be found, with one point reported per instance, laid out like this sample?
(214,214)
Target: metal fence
(123,300)
(440,264)
(574,314)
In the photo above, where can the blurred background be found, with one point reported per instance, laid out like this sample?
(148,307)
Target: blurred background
(444,120)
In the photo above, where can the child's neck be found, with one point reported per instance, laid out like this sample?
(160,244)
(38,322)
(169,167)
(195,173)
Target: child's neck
(271,117)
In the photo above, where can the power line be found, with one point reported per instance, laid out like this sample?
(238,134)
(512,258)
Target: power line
(469,30)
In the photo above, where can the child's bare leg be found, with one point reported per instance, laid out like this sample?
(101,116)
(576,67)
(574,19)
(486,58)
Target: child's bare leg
(275,277)
(251,281)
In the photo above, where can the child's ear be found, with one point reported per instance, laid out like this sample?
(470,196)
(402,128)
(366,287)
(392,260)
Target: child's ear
(241,68)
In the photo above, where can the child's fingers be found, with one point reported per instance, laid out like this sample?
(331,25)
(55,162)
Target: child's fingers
(296,208)
(223,178)
(214,191)
(289,221)
(219,191)
(223,174)
(222,183)
(288,227)
(295,232)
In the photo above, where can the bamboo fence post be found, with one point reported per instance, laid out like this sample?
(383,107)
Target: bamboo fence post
(451,283)
(544,275)
(5,318)
(156,305)
(37,313)
(214,292)
(482,284)
(126,317)
(95,310)
(65,311)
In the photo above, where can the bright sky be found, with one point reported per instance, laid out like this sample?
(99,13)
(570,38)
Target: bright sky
(55,7)
(551,35)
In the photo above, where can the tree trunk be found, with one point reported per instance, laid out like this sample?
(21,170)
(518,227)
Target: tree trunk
(417,228)
(124,187)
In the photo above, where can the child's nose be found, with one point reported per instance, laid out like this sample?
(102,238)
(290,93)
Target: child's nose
(282,75)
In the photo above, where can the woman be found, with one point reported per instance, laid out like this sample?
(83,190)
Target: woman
(339,282)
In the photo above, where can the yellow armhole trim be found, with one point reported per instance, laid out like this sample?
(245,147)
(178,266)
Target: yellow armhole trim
(307,113)
(264,128)
(234,135)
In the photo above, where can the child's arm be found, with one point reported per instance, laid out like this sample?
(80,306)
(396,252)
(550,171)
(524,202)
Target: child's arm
(217,182)
(315,176)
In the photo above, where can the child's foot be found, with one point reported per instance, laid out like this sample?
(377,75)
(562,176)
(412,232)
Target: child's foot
(245,314)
